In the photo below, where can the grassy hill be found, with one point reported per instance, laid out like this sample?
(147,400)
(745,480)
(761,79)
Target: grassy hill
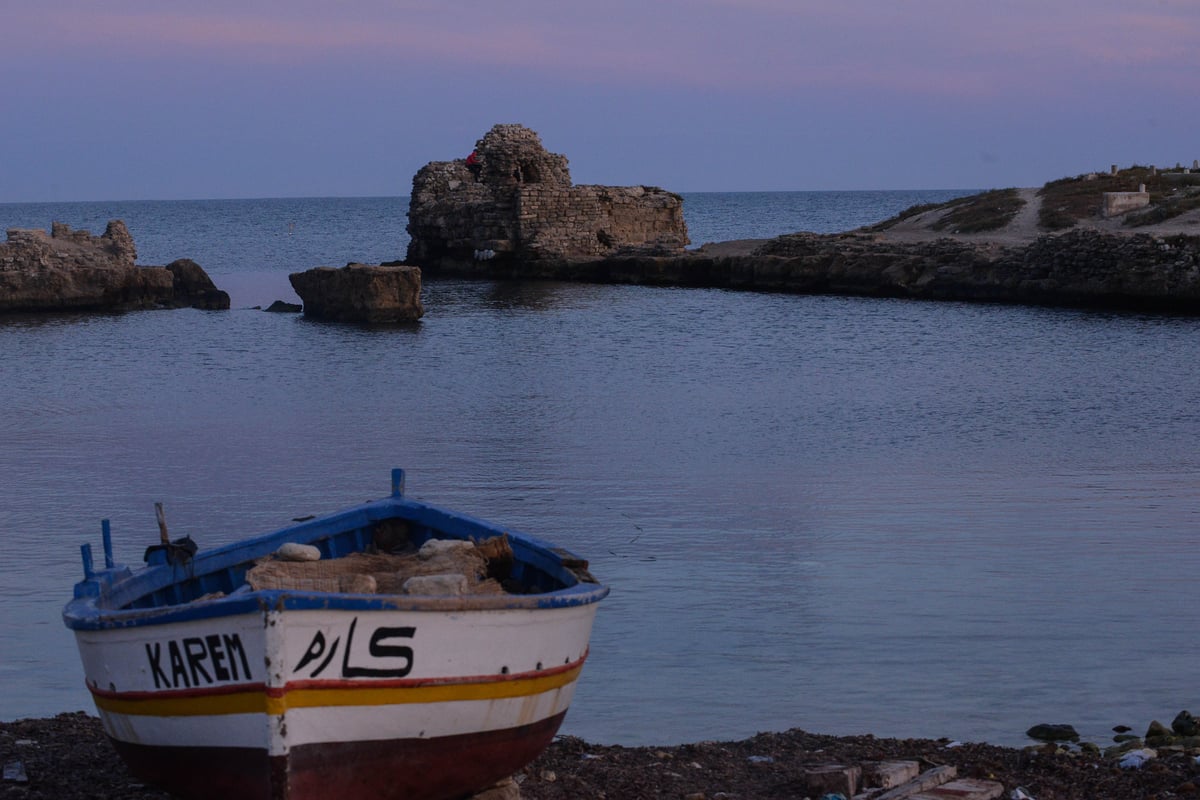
(1064,202)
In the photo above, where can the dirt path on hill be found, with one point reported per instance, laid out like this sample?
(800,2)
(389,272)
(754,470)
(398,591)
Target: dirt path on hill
(1021,230)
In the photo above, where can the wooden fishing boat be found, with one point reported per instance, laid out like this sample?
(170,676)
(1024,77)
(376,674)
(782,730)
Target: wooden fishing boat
(215,677)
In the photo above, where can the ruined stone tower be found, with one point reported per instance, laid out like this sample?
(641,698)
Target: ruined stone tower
(522,209)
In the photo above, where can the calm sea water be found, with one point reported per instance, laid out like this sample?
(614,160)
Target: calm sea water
(845,515)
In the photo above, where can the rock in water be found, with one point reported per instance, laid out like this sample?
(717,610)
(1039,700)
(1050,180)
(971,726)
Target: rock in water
(360,293)
(524,210)
(1047,732)
(74,271)
(1185,724)
(194,288)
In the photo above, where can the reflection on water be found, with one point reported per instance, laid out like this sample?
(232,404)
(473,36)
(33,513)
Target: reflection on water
(843,515)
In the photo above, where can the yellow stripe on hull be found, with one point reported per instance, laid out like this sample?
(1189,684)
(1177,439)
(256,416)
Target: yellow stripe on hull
(262,701)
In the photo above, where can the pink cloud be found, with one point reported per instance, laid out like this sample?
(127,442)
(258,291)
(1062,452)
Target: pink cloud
(943,48)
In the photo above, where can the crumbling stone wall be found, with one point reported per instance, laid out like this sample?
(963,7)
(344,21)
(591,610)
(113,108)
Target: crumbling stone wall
(523,208)
(32,249)
(1117,203)
(73,270)
(598,221)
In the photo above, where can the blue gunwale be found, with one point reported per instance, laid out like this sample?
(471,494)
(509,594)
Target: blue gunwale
(161,593)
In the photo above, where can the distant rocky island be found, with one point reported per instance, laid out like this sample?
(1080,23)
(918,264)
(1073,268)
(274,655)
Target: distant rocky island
(1121,238)
(1124,238)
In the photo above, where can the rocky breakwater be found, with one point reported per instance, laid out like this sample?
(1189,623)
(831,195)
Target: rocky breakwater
(360,293)
(1080,268)
(74,271)
(515,213)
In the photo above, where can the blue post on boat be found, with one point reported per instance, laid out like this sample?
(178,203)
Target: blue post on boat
(106,536)
(89,571)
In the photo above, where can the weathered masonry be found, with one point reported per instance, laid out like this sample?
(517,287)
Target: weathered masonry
(1117,203)
(521,208)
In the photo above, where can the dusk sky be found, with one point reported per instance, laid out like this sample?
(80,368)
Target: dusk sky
(157,99)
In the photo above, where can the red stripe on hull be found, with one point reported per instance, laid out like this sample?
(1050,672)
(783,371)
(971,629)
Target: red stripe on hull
(446,768)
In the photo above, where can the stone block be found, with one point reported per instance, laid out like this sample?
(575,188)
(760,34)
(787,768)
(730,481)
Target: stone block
(926,781)
(962,789)
(889,774)
(1117,203)
(832,779)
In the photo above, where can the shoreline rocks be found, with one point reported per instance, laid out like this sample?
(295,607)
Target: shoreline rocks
(68,756)
(360,293)
(193,288)
(498,226)
(1081,268)
(75,271)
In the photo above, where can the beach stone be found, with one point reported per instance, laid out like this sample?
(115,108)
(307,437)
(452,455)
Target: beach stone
(507,789)
(452,584)
(525,210)
(1047,732)
(1156,730)
(1185,724)
(294,551)
(1123,747)
(360,293)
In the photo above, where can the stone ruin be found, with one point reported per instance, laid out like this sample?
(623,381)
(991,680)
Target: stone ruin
(522,209)
(72,270)
(64,248)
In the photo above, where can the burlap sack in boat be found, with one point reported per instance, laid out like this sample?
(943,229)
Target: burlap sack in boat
(387,572)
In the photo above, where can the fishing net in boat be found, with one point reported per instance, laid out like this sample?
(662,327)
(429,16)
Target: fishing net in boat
(440,567)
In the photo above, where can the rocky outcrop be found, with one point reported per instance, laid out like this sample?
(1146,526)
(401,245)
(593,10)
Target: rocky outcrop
(73,270)
(522,209)
(193,287)
(1078,268)
(360,293)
